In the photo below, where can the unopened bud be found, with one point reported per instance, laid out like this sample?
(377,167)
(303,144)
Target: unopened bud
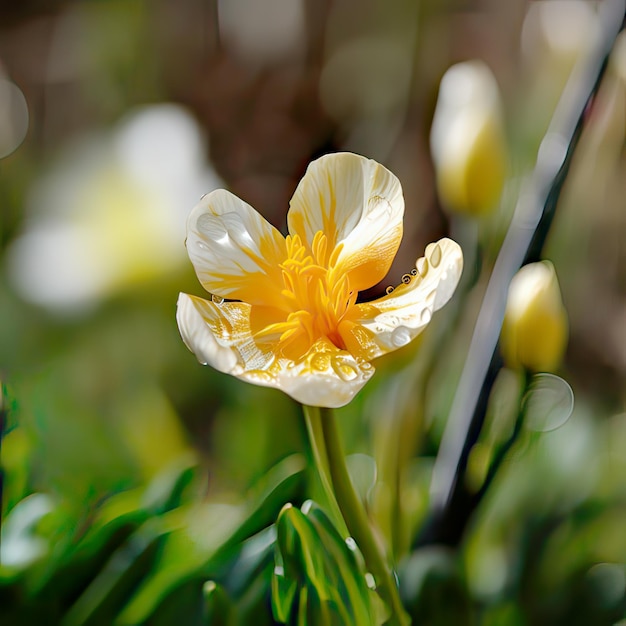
(535,329)
(467,140)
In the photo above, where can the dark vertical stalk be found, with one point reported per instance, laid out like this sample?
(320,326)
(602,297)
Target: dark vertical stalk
(452,505)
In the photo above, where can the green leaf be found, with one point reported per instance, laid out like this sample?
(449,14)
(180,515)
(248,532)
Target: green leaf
(166,491)
(178,558)
(75,561)
(248,580)
(353,588)
(319,577)
(16,465)
(282,483)
(283,593)
(110,590)
(210,543)
(218,607)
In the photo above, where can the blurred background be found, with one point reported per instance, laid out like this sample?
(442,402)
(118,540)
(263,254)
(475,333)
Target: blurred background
(116,116)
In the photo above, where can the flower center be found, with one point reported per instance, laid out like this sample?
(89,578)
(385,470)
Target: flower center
(315,297)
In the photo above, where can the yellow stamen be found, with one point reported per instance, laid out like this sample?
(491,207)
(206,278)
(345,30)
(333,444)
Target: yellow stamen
(315,298)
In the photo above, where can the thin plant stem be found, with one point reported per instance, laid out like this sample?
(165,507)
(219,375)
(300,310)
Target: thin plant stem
(353,512)
(505,448)
(313,422)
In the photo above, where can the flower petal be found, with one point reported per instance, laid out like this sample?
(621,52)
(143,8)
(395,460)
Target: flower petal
(220,335)
(234,250)
(395,319)
(326,376)
(356,203)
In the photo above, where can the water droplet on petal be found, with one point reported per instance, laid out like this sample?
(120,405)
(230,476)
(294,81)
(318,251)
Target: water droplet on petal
(406,278)
(400,337)
(213,228)
(389,289)
(320,362)
(436,255)
(422,266)
(392,321)
(344,369)
(426,315)
(216,299)
(260,376)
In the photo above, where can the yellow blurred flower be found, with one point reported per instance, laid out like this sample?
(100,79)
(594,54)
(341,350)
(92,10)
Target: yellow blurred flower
(467,140)
(535,329)
(292,320)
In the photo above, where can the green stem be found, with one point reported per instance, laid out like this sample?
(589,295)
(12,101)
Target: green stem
(352,509)
(313,421)
(501,454)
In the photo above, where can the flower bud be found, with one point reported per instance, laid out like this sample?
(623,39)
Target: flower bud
(467,140)
(535,329)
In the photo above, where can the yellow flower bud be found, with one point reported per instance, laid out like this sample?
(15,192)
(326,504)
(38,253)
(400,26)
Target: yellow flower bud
(535,329)
(467,140)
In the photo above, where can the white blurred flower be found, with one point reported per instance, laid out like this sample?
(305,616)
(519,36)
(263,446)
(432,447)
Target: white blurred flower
(467,139)
(111,213)
(555,35)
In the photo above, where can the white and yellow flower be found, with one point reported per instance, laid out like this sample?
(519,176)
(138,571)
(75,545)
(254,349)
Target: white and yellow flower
(284,310)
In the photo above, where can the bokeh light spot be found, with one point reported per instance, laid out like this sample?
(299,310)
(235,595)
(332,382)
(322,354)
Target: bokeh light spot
(13,117)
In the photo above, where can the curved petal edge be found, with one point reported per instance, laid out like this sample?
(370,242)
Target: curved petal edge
(400,316)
